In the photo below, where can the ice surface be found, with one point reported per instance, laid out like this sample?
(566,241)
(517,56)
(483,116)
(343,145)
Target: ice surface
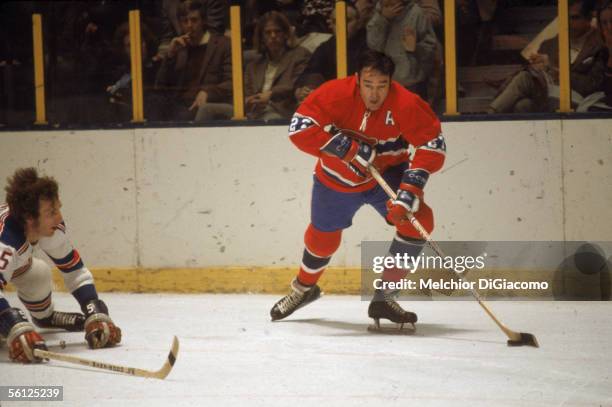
(232,355)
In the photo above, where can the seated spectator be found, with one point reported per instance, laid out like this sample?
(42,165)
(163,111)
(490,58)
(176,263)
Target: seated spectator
(529,89)
(217,14)
(604,22)
(431,9)
(269,79)
(120,92)
(197,69)
(400,29)
(323,60)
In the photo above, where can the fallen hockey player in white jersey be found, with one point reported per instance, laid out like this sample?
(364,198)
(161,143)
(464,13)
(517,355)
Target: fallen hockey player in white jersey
(32,217)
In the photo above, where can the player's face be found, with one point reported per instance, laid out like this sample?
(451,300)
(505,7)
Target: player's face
(49,217)
(373,87)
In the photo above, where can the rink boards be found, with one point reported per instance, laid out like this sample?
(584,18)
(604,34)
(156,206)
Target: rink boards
(224,209)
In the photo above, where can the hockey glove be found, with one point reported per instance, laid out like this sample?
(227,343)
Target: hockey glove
(355,154)
(409,195)
(100,331)
(22,339)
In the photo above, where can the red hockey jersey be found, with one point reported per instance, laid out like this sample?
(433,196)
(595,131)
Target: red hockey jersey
(403,119)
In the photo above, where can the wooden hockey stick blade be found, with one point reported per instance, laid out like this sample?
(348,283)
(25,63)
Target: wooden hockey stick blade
(514,338)
(159,374)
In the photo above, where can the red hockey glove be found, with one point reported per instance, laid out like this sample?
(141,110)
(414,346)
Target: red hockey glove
(22,339)
(100,331)
(409,195)
(355,154)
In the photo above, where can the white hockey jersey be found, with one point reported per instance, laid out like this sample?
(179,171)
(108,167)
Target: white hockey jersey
(16,253)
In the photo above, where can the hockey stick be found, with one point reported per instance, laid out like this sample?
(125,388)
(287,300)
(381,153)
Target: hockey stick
(159,374)
(514,338)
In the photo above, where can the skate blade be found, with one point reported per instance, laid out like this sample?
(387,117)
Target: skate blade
(396,329)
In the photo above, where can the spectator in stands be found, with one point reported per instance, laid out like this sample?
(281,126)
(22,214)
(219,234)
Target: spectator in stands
(269,80)
(431,9)
(217,14)
(400,29)
(529,89)
(322,64)
(197,68)
(604,22)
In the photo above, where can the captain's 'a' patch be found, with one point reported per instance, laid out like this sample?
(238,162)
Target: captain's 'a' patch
(389,119)
(300,122)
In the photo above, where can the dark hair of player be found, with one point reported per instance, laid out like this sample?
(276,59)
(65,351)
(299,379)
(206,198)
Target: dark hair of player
(24,191)
(377,61)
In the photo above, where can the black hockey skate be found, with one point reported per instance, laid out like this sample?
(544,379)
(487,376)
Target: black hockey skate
(299,296)
(69,321)
(384,306)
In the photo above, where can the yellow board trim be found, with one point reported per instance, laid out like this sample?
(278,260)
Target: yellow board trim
(257,280)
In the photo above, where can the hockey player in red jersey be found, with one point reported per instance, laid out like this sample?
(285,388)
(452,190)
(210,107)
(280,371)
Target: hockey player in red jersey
(32,217)
(391,118)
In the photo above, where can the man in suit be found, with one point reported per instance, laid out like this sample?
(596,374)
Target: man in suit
(528,90)
(217,12)
(197,69)
(270,78)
